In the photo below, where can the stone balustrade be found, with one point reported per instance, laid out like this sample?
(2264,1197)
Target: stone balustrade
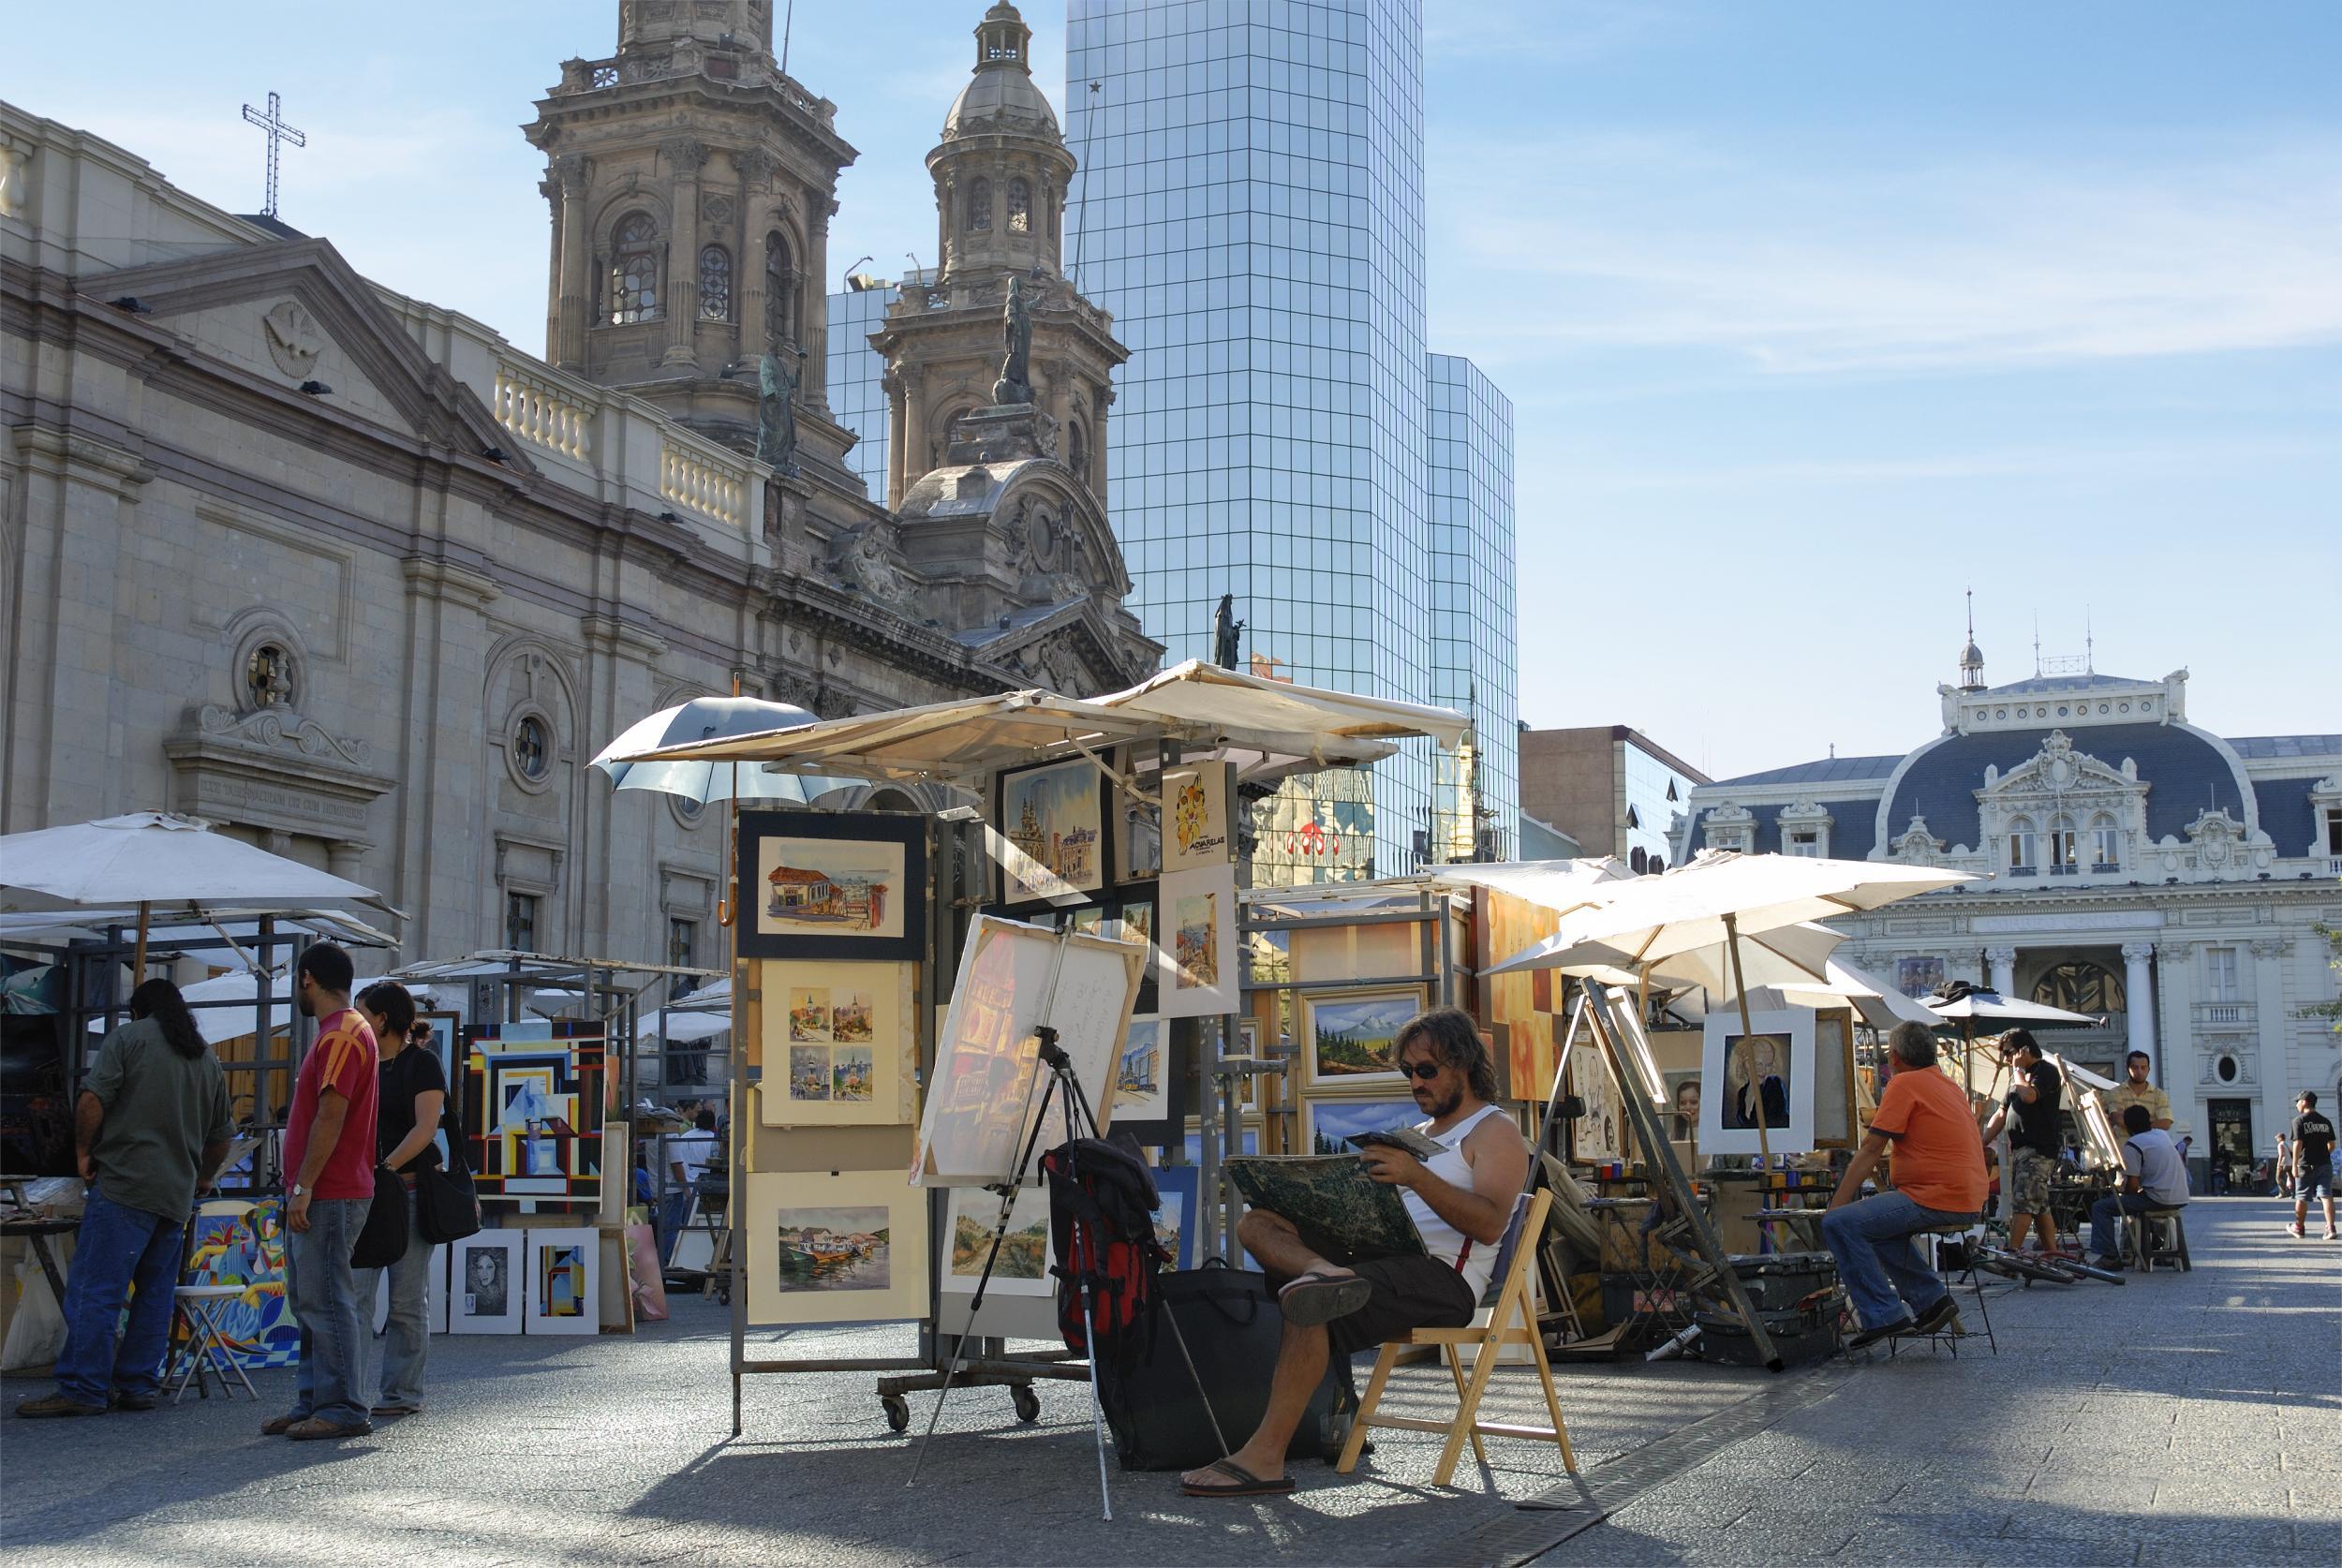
(533,406)
(697,478)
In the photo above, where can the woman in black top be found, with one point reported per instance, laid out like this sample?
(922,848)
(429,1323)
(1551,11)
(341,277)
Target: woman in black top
(413,1091)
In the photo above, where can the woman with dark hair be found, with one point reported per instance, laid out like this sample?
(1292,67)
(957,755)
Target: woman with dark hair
(150,1127)
(412,1091)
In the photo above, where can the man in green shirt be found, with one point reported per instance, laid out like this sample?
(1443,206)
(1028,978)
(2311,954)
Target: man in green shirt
(150,1130)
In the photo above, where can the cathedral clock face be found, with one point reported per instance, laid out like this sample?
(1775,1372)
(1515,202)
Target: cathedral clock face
(294,341)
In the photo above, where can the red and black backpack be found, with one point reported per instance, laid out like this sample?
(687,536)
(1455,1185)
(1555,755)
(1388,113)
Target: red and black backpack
(1102,1225)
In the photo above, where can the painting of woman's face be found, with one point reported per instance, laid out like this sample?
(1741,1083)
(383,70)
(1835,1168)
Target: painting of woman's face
(1687,1099)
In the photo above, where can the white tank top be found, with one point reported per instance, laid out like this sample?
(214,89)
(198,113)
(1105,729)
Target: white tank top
(1440,1238)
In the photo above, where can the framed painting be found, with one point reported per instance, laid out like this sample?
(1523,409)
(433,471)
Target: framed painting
(235,1242)
(1768,1066)
(843,1041)
(1351,1038)
(1023,1265)
(1053,820)
(1142,1074)
(1174,1217)
(832,884)
(1833,1079)
(562,1287)
(532,1111)
(1918,977)
(1191,1145)
(1138,845)
(1134,920)
(1326,1124)
(1195,834)
(485,1282)
(835,1247)
(447,1031)
(1683,1112)
(1198,941)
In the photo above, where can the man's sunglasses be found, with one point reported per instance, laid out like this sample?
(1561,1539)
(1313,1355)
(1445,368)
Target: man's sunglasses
(1425,1070)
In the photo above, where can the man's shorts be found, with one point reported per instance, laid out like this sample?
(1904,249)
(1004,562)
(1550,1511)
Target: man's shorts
(2316,1181)
(2028,1184)
(1409,1293)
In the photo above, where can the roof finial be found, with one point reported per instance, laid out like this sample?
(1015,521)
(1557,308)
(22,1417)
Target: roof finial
(2037,643)
(2089,643)
(1971,656)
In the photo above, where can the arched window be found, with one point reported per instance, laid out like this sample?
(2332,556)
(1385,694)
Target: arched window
(980,204)
(716,283)
(2080,986)
(1640,860)
(780,289)
(1658,864)
(1019,207)
(2061,845)
(634,270)
(2024,848)
(1077,451)
(2106,842)
(1049,205)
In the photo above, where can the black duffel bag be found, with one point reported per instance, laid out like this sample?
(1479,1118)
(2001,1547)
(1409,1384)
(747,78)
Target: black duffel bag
(1231,1328)
(383,1239)
(446,1207)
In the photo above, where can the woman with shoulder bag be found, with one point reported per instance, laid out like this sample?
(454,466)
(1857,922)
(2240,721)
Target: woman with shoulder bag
(414,1094)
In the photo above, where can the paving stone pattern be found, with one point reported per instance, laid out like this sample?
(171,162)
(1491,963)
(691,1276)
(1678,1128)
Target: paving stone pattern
(2176,1420)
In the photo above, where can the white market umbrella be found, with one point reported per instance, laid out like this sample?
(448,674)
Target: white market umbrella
(1992,1009)
(1880,1005)
(705,718)
(156,859)
(1559,885)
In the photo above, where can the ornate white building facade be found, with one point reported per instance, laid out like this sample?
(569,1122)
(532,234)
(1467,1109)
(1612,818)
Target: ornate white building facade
(2134,867)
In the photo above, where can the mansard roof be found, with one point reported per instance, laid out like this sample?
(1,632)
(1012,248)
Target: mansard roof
(2185,771)
(1829,770)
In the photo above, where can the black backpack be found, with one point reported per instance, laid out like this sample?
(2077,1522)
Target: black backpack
(1102,1227)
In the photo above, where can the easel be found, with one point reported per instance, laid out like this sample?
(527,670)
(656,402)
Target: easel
(1720,1277)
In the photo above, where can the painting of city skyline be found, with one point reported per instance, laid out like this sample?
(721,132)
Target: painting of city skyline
(1054,818)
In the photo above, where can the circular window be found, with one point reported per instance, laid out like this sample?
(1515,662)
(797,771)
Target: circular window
(532,748)
(2101,708)
(2227,1070)
(2061,710)
(2125,708)
(2002,714)
(688,811)
(2148,705)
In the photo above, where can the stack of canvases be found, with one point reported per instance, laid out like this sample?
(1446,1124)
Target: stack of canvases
(533,1099)
(833,921)
(1163,872)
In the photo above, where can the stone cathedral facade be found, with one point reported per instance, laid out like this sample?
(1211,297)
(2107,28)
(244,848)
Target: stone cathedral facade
(352,575)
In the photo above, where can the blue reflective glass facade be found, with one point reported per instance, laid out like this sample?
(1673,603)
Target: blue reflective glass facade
(1469,446)
(1250,207)
(856,394)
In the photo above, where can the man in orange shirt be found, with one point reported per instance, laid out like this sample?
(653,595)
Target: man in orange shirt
(1938,1173)
(329,1185)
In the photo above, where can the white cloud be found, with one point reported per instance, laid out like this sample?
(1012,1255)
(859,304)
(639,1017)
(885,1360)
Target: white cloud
(1799,268)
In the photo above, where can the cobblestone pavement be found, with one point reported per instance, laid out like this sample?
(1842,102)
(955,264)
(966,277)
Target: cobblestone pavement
(2178,1419)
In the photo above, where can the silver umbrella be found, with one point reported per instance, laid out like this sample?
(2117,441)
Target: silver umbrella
(713,718)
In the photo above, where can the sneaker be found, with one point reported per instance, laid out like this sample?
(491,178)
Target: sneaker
(2294,1230)
(2333,1237)
(1884,1331)
(318,1428)
(131,1401)
(277,1426)
(56,1404)
(1941,1318)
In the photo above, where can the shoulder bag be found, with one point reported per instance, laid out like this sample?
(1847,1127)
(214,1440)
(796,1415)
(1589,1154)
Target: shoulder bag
(383,1239)
(447,1208)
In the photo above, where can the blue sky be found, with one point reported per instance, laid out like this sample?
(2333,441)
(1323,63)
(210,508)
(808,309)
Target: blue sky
(1813,314)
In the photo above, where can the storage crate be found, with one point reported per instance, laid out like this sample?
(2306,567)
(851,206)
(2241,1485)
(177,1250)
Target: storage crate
(1797,1337)
(1777,1281)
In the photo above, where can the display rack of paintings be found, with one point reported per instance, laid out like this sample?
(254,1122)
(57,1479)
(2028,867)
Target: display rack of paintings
(1053,817)
(235,1242)
(561,1286)
(1350,1039)
(1773,1058)
(485,1282)
(832,884)
(1199,977)
(1196,835)
(840,1042)
(533,1110)
(835,1247)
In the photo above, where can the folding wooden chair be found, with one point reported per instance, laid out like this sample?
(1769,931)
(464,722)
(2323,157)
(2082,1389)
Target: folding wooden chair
(1512,1322)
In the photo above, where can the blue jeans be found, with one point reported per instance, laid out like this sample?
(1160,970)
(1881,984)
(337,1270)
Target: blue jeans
(406,1336)
(1882,1271)
(119,1250)
(2106,1219)
(322,1292)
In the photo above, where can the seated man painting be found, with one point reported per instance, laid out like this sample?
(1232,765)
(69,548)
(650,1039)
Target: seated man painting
(1460,1200)
(2153,1176)
(1939,1171)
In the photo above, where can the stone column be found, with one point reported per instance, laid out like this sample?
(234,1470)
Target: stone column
(684,157)
(2004,963)
(2139,995)
(813,392)
(898,401)
(755,167)
(2182,1072)
(2266,987)
(915,455)
(577,263)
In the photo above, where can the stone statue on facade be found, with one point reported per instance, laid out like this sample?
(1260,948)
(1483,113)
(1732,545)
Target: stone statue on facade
(1015,382)
(1226,631)
(776,413)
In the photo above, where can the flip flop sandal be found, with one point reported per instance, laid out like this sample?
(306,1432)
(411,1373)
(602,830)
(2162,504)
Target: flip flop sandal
(1243,1483)
(1316,1298)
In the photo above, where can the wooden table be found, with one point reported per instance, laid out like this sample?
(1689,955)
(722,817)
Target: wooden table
(36,1233)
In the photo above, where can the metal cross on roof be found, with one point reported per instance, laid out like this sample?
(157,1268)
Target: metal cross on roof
(272,123)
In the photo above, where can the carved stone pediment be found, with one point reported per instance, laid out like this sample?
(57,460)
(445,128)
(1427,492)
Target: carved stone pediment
(862,560)
(273,768)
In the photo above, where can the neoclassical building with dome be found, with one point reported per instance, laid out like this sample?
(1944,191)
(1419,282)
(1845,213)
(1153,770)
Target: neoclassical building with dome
(2134,866)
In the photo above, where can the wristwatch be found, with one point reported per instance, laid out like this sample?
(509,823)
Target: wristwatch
(297,1191)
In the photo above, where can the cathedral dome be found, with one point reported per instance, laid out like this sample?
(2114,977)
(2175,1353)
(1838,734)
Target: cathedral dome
(1002,96)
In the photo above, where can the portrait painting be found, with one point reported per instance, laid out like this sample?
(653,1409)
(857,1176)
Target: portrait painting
(1053,820)
(1765,1069)
(1682,1105)
(484,1285)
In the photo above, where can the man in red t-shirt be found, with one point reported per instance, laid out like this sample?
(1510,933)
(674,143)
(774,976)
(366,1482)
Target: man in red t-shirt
(1938,1172)
(329,1170)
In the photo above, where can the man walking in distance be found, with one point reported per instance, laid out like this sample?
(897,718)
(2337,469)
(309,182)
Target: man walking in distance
(2313,1163)
(150,1130)
(2032,1140)
(1460,1200)
(1939,1170)
(329,1166)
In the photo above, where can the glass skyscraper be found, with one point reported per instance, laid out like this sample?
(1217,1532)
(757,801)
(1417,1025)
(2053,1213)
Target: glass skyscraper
(1470,441)
(1250,206)
(856,392)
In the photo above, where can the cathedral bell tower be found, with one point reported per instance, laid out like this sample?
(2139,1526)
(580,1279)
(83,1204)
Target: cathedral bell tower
(691,185)
(1001,172)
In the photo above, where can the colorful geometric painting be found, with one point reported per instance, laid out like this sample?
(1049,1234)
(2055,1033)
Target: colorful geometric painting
(247,1248)
(532,1110)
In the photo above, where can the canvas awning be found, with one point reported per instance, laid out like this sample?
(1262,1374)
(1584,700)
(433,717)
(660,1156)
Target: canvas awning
(1269,728)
